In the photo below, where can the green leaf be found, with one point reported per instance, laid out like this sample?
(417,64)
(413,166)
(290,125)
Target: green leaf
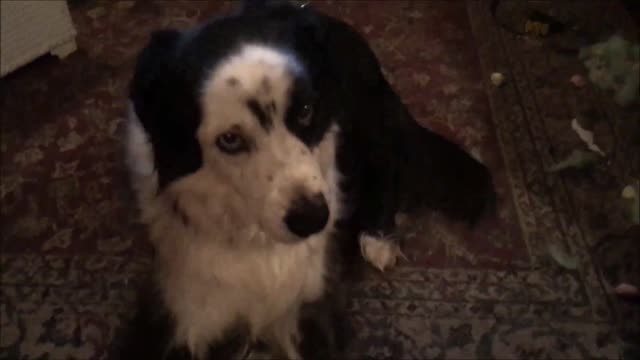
(578,159)
(631,194)
(562,258)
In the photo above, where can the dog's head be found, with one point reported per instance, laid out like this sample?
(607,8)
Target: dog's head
(234,116)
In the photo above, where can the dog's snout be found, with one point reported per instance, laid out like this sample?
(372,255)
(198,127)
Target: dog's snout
(307,215)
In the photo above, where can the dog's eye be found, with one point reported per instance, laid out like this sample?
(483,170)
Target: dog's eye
(304,117)
(231,142)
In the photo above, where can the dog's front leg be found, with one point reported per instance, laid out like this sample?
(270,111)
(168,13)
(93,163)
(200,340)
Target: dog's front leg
(283,336)
(378,206)
(324,327)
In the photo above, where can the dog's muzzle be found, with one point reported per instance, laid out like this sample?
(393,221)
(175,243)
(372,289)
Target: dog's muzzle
(307,215)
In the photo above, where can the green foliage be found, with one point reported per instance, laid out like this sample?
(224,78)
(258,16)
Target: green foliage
(615,65)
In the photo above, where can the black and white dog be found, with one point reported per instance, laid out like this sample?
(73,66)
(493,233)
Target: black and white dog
(256,143)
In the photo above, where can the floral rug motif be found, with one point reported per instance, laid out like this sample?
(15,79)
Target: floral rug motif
(72,248)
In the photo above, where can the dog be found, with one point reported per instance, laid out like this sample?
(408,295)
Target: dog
(262,145)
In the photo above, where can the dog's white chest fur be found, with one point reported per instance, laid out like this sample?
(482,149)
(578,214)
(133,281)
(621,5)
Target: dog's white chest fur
(217,288)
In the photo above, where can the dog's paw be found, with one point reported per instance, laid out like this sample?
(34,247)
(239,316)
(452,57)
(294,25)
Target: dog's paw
(382,253)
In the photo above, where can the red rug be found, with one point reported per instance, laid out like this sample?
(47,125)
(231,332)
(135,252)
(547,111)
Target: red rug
(72,248)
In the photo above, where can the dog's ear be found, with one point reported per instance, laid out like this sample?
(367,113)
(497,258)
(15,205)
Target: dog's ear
(310,34)
(154,77)
(163,100)
(256,6)
(249,6)
(152,65)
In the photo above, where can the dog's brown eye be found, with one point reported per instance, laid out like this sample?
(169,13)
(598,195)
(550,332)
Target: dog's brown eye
(304,117)
(231,142)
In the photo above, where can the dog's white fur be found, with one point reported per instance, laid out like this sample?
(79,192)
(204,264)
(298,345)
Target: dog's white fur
(233,259)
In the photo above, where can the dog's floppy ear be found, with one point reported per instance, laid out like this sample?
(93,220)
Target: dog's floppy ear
(164,103)
(253,5)
(152,65)
(310,34)
(256,6)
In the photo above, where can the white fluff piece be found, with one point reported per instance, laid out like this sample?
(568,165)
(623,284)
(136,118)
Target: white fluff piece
(586,136)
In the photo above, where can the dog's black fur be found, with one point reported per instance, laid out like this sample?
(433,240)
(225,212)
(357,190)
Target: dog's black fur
(389,162)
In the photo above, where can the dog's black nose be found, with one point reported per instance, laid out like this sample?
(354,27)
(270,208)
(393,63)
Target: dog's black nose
(307,215)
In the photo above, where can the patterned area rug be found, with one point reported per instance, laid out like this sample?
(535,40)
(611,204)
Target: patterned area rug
(72,248)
